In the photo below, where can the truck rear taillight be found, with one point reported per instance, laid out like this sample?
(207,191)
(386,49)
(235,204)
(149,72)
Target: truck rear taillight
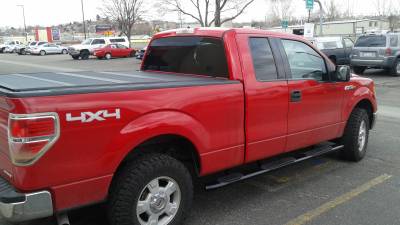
(31,135)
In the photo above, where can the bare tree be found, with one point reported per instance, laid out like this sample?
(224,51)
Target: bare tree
(332,10)
(125,12)
(383,7)
(280,10)
(207,12)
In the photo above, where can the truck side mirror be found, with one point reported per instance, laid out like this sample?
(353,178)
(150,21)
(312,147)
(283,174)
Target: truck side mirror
(343,73)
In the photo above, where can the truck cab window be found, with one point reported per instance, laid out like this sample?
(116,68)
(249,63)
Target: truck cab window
(263,60)
(190,54)
(305,62)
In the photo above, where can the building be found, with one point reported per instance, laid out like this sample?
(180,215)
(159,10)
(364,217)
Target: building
(349,28)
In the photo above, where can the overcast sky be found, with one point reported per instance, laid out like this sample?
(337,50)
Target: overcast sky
(53,12)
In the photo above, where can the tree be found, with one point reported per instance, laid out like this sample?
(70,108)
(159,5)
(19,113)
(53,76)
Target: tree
(124,12)
(207,12)
(332,10)
(280,10)
(382,7)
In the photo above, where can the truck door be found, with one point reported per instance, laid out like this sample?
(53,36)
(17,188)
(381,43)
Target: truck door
(266,97)
(314,102)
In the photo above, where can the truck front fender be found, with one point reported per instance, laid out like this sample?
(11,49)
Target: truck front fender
(361,94)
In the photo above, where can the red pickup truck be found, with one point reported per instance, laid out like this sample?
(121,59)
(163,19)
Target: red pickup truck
(205,101)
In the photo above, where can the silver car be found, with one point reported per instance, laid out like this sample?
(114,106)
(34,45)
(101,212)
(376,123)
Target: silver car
(48,48)
(34,44)
(377,51)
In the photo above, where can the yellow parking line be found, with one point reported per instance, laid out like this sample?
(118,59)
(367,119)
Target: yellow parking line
(310,215)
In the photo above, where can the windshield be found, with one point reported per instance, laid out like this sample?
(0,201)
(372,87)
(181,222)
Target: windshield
(371,41)
(191,55)
(87,41)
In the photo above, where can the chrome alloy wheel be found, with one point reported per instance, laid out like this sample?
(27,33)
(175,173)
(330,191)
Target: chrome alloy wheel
(362,136)
(158,202)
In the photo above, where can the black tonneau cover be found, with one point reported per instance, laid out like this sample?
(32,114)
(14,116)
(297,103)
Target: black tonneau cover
(62,83)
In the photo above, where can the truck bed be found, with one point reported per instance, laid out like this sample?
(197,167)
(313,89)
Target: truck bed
(62,83)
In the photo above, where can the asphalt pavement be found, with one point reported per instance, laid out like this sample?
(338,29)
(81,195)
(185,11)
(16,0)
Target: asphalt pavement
(323,190)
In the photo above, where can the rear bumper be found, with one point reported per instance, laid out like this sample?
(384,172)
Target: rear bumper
(387,62)
(19,207)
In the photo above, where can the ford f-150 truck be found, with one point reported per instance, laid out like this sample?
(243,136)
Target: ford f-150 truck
(204,101)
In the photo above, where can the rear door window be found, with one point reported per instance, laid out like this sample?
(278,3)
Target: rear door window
(371,41)
(190,55)
(263,59)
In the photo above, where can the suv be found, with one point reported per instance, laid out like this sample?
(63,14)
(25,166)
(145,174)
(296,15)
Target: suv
(377,51)
(338,49)
(87,47)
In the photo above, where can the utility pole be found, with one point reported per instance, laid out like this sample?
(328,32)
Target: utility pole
(23,14)
(83,19)
(321,14)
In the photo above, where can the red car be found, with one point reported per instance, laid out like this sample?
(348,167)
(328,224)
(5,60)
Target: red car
(204,102)
(114,51)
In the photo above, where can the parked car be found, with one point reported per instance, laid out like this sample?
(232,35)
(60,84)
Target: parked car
(48,48)
(87,47)
(205,101)
(377,51)
(114,51)
(140,53)
(10,47)
(337,49)
(27,48)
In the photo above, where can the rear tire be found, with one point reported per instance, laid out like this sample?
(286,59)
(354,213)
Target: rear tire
(23,52)
(161,184)
(395,70)
(359,69)
(355,137)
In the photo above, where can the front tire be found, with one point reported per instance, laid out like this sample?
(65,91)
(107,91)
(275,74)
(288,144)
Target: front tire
(42,53)
(355,137)
(64,51)
(154,189)
(359,69)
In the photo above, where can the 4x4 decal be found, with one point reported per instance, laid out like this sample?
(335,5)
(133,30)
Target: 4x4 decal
(87,117)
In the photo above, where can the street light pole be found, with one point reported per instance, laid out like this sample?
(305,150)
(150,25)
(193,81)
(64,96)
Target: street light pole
(23,14)
(83,19)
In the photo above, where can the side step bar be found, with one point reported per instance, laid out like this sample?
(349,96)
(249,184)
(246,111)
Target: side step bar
(273,165)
